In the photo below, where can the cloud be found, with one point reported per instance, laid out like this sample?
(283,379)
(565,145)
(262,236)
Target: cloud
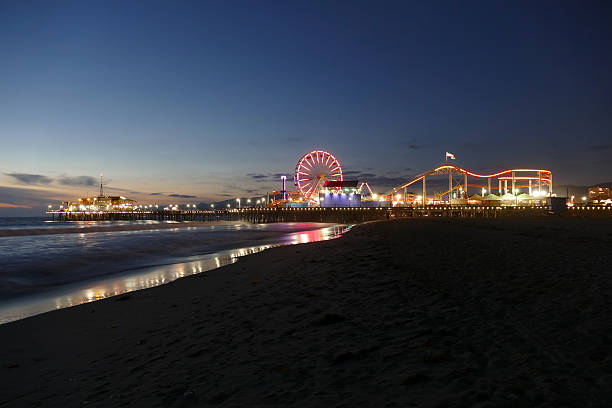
(255,176)
(367,175)
(24,201)
(181,196)
(601,147)
(267,177)
(78,181)
(6,205)
(30,178)
(156,194)
(351,172)
(411,145)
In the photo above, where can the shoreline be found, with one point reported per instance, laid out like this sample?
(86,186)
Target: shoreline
(110,228)
(147,276)
(429,312)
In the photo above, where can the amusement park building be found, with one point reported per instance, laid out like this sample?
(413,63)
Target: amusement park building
(340,194)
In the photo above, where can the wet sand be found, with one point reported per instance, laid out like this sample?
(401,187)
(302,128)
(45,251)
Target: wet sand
(416,312)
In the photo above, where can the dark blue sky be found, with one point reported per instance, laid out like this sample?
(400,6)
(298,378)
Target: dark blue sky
(195,98)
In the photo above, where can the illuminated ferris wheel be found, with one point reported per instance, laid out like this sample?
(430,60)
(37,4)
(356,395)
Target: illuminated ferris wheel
(313,170)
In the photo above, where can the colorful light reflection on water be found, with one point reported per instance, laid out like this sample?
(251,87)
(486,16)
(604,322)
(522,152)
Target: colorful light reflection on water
(143,278)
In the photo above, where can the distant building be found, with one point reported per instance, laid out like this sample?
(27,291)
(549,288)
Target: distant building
(597,194)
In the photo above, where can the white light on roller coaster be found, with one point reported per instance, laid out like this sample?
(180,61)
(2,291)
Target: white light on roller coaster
(49,206)
(122,197)
(419,198)
(583,198)
(374,196)
(381,199)
(484,191)
(398,196)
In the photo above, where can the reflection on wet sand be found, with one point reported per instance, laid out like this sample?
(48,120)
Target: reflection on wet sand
(117,284)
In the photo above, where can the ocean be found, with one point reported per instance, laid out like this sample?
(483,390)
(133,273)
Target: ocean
(46,265)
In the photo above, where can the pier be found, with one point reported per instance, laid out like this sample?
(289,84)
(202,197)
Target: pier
(330,214)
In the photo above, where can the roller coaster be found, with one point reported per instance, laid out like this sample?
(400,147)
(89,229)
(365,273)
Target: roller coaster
(538,183)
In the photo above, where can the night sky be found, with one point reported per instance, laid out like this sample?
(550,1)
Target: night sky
(195,102)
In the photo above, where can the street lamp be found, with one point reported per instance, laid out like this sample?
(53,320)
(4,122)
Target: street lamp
(238,202)
(212,206)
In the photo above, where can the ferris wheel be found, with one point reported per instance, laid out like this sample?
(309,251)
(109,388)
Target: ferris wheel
(313,169)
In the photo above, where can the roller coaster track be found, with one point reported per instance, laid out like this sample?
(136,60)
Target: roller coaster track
(542,176)
(442,194)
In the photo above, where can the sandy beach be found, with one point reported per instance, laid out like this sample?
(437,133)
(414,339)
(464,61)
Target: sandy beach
(414,312)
